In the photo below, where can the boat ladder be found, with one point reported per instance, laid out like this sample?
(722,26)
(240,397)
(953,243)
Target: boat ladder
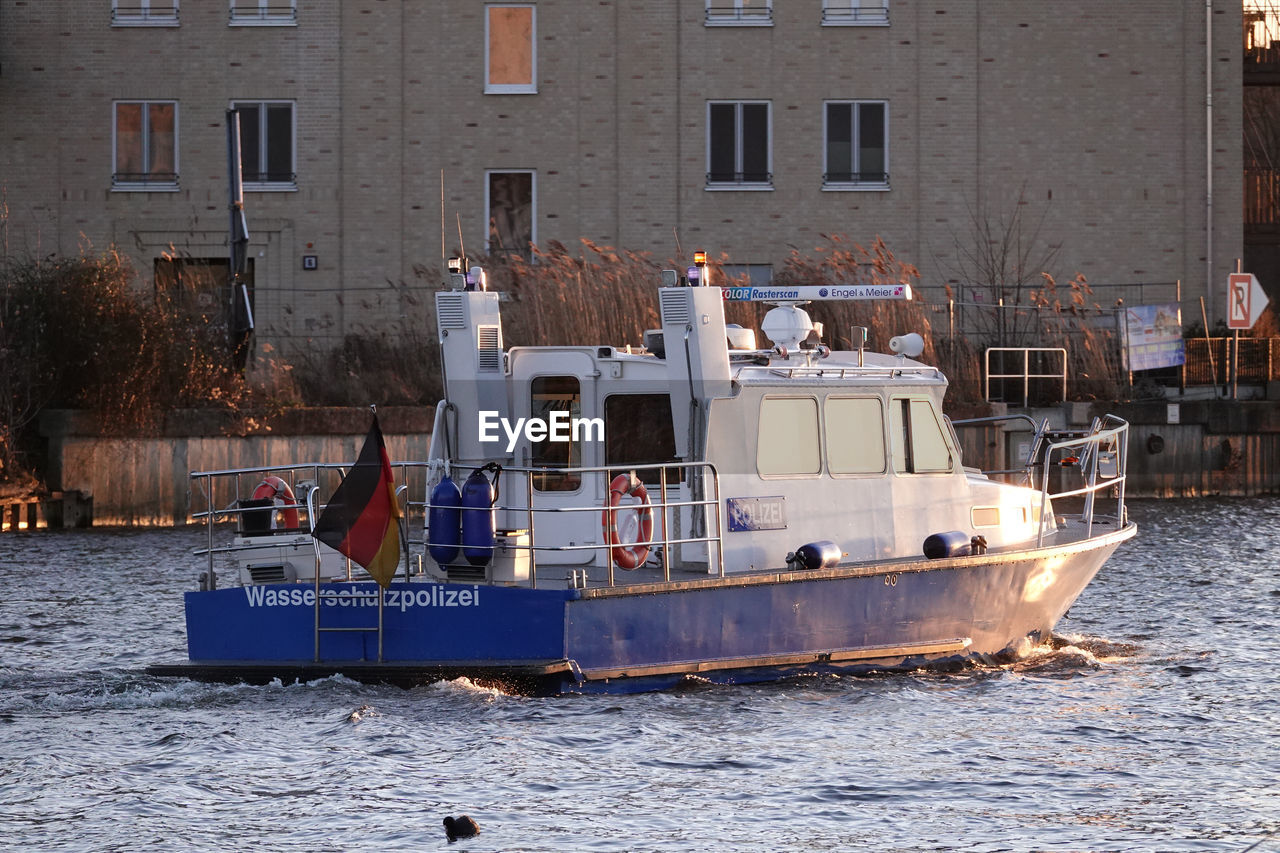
(333,597)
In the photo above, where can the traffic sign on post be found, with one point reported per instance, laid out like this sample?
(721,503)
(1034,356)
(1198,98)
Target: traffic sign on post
(1246,300)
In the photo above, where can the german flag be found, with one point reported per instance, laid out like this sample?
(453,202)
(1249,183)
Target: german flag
(361,519)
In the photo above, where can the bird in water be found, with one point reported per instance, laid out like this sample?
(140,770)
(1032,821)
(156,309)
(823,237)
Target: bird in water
(460,827)
(360,713)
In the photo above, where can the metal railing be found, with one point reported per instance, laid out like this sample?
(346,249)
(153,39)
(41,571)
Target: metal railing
(225,489)
(835,372)
(855,179)
(740,14)
(1100,454)
(739,179)
(699,475)
(1025,374)
(855,15)
(144,179)
(155,13)
(1103,453)
(253,13)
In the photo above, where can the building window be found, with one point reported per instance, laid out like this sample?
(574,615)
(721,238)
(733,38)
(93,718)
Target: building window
(510,51)
(739,13)
(738,151)
(264,13)
(509,201)
(856,136)
(266,144)
(144,13)
(144,137)
(855,13)
(756,275)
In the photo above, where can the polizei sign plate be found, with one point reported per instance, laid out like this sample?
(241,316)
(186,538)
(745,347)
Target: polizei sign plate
(756,514)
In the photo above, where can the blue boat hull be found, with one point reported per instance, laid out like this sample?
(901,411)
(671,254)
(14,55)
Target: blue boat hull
(622,639)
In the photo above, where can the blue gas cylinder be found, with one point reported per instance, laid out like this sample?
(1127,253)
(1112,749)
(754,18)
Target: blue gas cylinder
(478,498)
(444,522)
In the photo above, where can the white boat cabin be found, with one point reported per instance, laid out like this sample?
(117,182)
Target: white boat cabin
(800,444)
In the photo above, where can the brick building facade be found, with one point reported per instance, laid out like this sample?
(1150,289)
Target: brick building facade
(381,134)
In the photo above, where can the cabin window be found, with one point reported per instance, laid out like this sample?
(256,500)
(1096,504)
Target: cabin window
(548,395)
(919,444)
(788,443)
(510,49)
(985,516)
(638,429)
(855,435)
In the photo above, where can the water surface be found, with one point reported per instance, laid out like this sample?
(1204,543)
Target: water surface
(1152,726)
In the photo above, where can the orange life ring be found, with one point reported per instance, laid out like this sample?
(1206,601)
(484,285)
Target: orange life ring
(630,555)
(275,489)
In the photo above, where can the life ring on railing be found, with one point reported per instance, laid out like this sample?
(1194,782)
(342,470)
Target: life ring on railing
(273,488)
(628,555)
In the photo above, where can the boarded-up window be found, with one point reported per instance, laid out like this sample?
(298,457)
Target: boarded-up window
(510,50)
(145,134)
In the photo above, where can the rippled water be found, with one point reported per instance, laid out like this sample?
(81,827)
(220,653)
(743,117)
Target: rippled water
(1152,726)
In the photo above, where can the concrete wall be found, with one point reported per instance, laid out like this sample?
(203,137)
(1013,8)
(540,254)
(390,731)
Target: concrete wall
(144,481)
(1213,448)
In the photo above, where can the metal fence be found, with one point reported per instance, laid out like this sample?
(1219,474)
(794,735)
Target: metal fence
(1094,339)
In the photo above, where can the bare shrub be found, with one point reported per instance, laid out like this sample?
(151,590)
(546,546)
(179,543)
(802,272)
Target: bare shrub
(78,333)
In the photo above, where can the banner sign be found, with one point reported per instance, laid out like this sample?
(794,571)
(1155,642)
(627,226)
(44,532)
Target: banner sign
(817,293)
(1154,336)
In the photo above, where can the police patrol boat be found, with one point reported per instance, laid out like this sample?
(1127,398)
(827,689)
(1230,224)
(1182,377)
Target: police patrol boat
(614,519)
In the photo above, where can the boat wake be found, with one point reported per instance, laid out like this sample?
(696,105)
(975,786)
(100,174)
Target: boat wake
(1070,654)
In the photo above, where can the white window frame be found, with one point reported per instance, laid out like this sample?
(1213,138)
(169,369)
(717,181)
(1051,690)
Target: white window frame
(144,13)
(855,186)
(767,183)
(739,13)
(789,445)
(530,88)
(533,203)
(266,13)
(290,185)
(855,13)
(144,185)
(907,460)
(840,432)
